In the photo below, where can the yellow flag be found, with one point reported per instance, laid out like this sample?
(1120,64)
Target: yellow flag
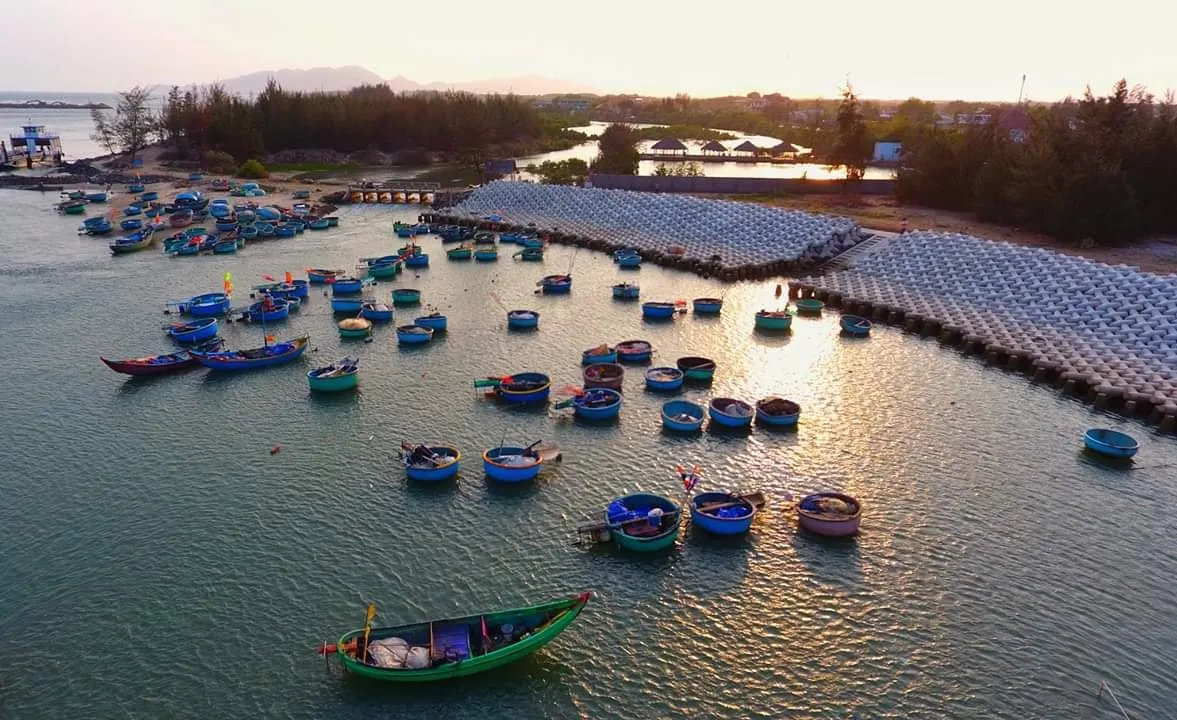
(371,612)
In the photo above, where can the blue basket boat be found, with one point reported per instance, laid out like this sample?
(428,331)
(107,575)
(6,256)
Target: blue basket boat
(132,210)
(225,247)
(131,224)
(522,319)
(486,254)
(1110,443)
(376,312)
(855,325)
(664,379)
(599,354)
(417,261)
(682,416)
(630,262)
(556,284)
(248,232)
(707,306)
(319,224)
(524,388)
(339,376)
(302,288)
(634,351)
(206,305)
(268,310)
(644,522)
(193,331)
(658,310)
(777,412)
(430,463)
(285,230)
(626,291)
(346,285)
(135,188)
(149,196)
(511,464)
(624,252)
(318,276)
(722,513)
(597,404)
(413,334)
(730,412)
(434,321)
(348,305)
(406,297)
(276,354)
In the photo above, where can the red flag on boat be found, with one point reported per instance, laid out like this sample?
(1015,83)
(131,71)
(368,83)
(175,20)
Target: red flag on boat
(289,278)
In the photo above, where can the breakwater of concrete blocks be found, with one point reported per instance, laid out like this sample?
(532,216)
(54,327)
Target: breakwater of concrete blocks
(719,238)
(1107,333)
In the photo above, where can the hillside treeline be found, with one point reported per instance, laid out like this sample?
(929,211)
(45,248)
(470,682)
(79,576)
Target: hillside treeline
(364,118)
(1093,170)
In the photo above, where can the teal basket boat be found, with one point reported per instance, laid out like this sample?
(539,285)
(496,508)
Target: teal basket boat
(643,522)
(339,376)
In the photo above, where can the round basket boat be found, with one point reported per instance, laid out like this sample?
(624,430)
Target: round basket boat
(777,412)
(598,404)
(413,334)
(682,416)
(811,306)
(721,513)
(644,522)
(355,328)
(830,514)
(730,412)
(1110,443)
(603,375)
(436,463)
(337,377)
(698,369)
(664,379)
(510,464)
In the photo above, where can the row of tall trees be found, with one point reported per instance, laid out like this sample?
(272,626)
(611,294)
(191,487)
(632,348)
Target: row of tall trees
(365,118)
(1093,170)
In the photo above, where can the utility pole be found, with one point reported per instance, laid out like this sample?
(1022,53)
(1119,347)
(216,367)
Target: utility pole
(1022,89)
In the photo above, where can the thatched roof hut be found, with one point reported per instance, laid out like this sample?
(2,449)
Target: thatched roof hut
(747,147)
(714,146)
(669,145)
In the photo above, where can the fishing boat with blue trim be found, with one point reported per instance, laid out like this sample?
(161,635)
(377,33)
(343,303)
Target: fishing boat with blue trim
(639,522)
(1110,443)
(254,358)
(730,412)
(193,331)
(599,354)
(434,321)
(855,325)
(777,412)
(522,319)
(413,334)
(525,388)
(511,464)
(597,404)
(682,416)
(377,311)
(664,379)
(725,513)
(634,351)
(830,514)
(556,284)
(626,291)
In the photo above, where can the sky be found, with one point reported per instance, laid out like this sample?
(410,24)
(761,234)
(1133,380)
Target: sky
(929,49)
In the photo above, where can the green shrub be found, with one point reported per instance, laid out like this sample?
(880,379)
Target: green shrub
(252,170)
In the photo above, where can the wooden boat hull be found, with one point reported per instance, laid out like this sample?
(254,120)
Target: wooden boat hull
(716,525)
(526,397)
(436,323)
(413,335)
(434,474)
(707,306)
(647,543)
(721,417)
(773,323)
(346,305)
(504,472)
(561,613)
(406,297)
(1110,443)
(817,525)
(335,383)
(137,369)
(855,325)
(522,320)
(603,375)
(602,412)
(218,361)
(655,382)
(200,331)
(672,411)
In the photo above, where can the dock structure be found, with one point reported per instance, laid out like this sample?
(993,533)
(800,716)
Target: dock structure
(397,192)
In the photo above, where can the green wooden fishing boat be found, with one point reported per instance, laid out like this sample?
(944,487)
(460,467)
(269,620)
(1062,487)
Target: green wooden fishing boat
(460,253)
(446,649)
(810,305)
(388,270)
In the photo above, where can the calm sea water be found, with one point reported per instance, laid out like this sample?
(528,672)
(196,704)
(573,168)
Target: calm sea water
(158,561)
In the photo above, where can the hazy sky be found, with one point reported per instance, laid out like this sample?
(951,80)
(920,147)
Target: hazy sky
(932,49)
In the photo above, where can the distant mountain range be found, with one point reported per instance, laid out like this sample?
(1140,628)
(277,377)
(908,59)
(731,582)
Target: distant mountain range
(349,76)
